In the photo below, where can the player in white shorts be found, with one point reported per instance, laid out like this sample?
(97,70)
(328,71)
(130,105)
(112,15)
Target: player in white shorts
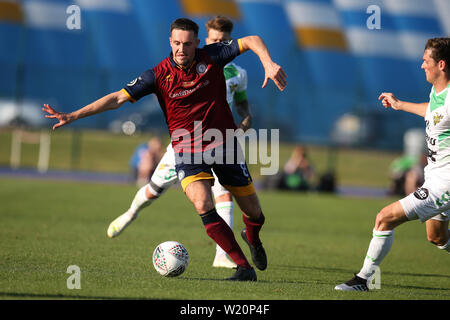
(431,202)
(219,29)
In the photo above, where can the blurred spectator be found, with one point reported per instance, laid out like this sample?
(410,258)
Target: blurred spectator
(397,172)
(298,174)
(414,177)
(144,160)
(413,158)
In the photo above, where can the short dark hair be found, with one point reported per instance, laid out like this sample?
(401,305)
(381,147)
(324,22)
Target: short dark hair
(440,50)
(184,24)
(220,23)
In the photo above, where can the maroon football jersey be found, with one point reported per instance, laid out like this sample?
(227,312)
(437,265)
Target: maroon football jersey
(193,99)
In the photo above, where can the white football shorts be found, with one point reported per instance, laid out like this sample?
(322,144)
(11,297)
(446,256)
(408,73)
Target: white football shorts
(430,201)
(164,175)
(217,188)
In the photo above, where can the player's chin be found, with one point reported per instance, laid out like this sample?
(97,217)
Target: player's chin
(182,60)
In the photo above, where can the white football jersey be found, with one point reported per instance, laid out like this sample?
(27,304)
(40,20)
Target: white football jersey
(437,121)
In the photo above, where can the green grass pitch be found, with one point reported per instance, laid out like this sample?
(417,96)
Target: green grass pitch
(313,242)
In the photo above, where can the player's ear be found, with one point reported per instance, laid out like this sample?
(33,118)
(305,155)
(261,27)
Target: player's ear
(441,65)
(197,42)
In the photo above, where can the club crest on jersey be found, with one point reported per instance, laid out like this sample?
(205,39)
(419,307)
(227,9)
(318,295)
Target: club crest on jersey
(201,68)
(437,118)
(421,193)
(181,175)
(168,78)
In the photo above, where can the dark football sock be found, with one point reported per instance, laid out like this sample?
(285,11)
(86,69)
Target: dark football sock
(252,228)
(218,230)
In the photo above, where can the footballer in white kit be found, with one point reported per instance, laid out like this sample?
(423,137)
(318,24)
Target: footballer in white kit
(432,199)
(431,202)
(165,174)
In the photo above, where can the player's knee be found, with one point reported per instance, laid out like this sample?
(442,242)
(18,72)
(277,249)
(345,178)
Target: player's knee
(390,217)
(225,197)
(381,218)
(384,219)
(151,193)
(202,206)
(252,211)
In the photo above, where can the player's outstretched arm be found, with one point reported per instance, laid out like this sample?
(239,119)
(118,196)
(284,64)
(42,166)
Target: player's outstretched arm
(272,70)
(390,101)
(111,101)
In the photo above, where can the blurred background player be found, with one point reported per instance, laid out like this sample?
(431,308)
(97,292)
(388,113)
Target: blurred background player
(431,202)
(219,29)
(145,159)
(405,170)
(415,177)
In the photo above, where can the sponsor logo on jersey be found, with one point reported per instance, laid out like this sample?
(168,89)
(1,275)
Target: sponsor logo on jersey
(430,140)
(186,92)
(188,84)
(421,193)
(431,154)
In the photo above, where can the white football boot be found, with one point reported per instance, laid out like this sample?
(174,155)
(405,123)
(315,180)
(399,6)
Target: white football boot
(119,224)
(222,261)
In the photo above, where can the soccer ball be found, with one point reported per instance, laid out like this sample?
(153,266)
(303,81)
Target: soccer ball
(170,259)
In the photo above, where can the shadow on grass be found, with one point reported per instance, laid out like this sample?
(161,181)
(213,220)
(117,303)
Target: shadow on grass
(288,267)
(416,287)
(25,295)
(256,282)
(350,272)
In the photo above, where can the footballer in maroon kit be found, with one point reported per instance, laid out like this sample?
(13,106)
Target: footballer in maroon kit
(196,92)
(191,90)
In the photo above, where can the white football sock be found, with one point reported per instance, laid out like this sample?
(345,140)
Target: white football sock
(140,201)
(225,211)
(379,247)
